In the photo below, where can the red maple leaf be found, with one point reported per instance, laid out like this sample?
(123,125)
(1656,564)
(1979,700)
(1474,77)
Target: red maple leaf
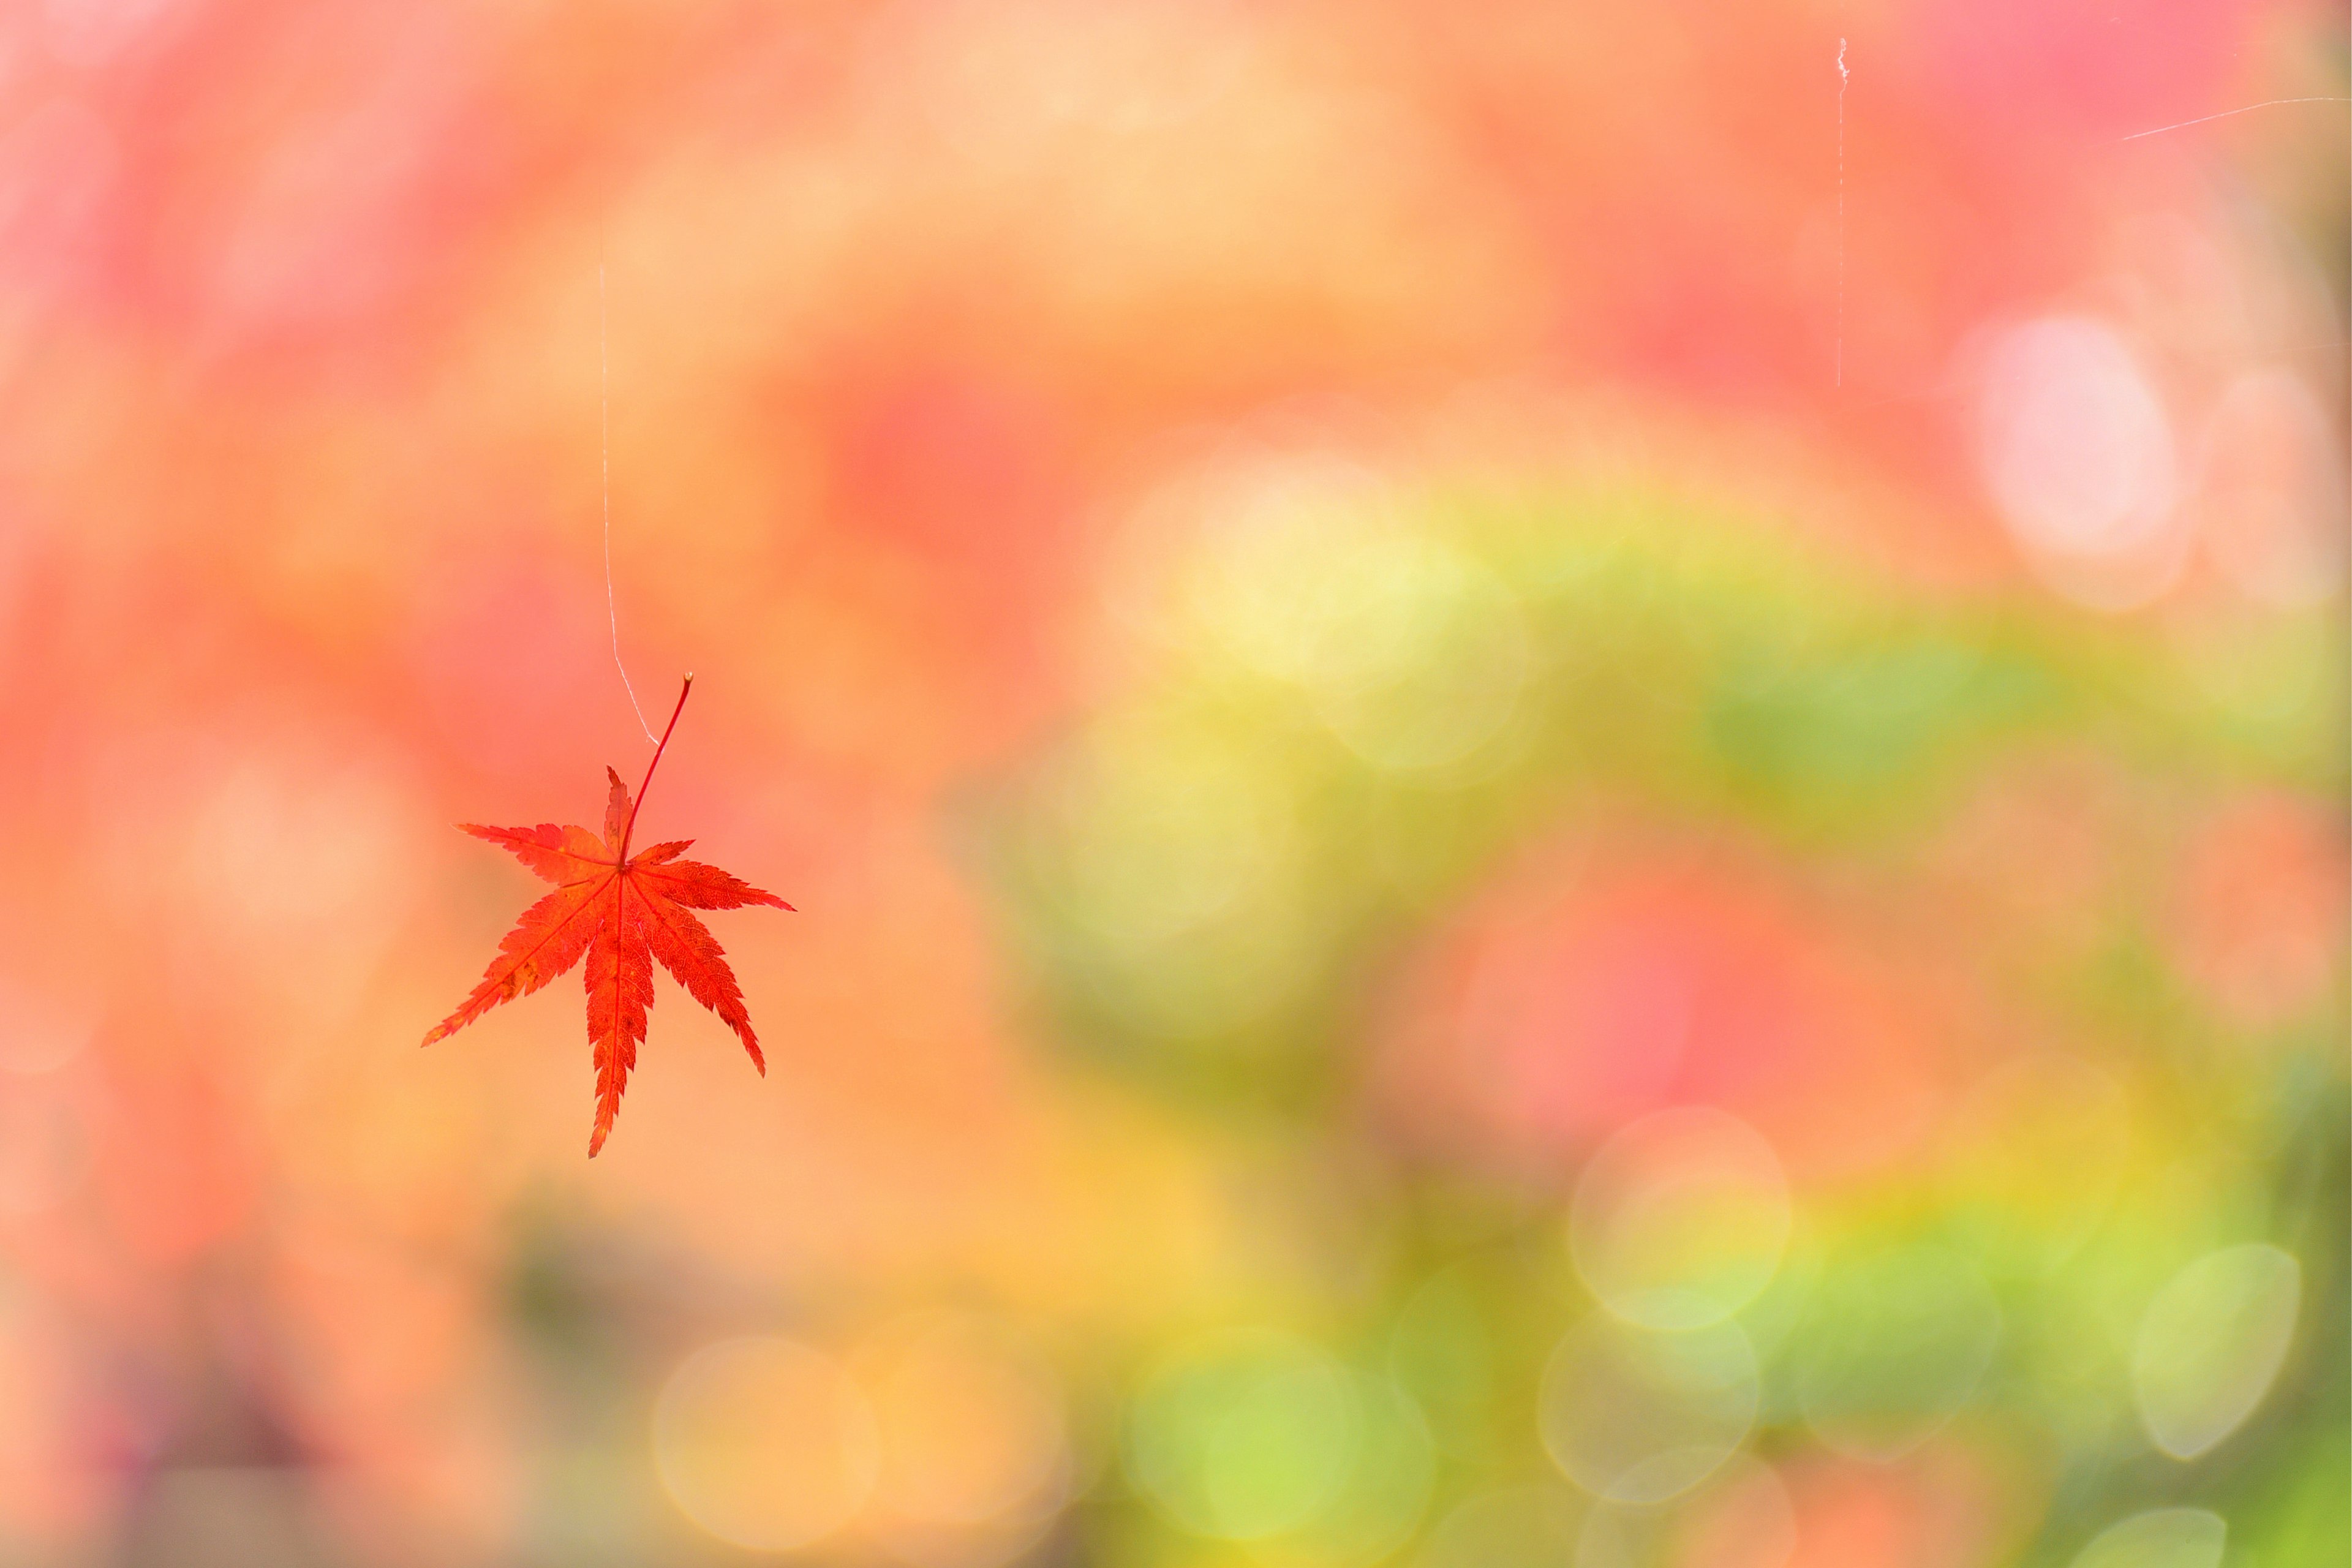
(622,912)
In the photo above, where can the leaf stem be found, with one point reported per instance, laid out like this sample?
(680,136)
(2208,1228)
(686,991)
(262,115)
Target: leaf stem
(638,804)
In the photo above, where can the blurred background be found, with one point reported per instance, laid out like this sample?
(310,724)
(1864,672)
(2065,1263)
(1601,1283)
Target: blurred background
(1566,781)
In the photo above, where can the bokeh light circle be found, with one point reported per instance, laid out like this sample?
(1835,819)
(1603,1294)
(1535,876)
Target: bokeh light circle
(1426,656)
(2078,453)
(1636,1416)
(1743,1517)
(1513,1527)
(1380,1503)
(765,1443)
(1894,1345)
(2212,1342)
(2160,1538)
(974,1455)
(1243,1435)
(1681,1218)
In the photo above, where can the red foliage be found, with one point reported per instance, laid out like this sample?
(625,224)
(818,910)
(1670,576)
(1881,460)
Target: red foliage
(622,912)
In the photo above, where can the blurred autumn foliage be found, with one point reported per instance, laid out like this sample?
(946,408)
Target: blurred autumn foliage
(1564,792)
